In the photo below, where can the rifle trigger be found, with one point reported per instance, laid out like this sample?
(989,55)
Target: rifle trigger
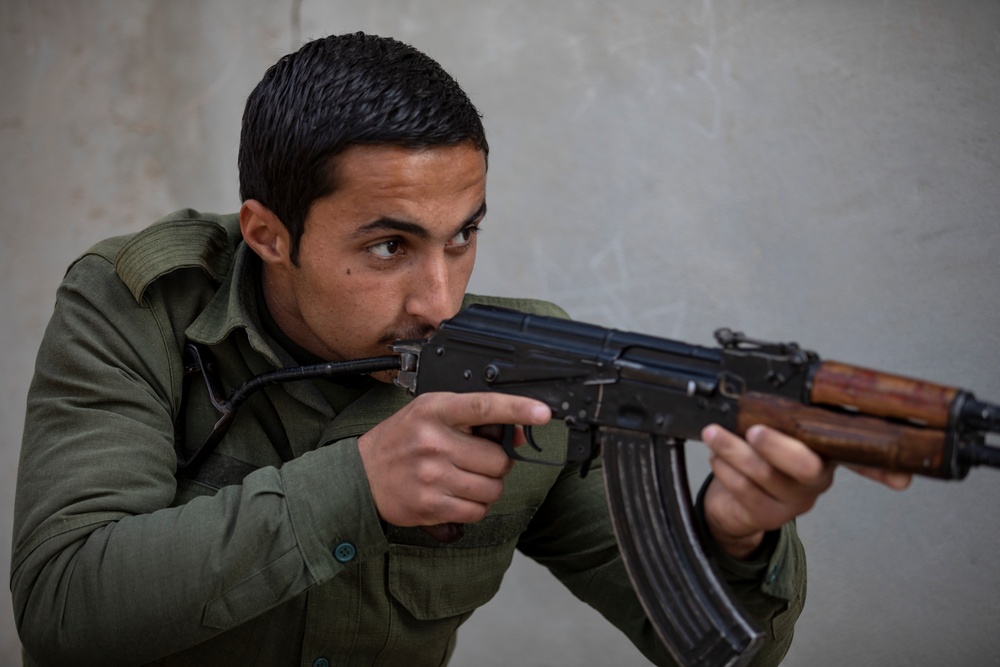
(506,441)
(531,438)
(505,437)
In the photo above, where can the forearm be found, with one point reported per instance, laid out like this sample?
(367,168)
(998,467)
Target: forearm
(104,568)
(770,586)
(139,587)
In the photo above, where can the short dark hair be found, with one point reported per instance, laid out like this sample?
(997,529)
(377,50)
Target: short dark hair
(334,93)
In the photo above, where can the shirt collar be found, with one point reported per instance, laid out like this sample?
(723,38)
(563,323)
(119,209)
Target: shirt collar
(234,306)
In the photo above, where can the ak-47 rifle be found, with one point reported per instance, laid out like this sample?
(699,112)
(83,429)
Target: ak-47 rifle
(634,399)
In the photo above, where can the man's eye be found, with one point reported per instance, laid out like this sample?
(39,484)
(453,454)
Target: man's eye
(385,249)
(464,237)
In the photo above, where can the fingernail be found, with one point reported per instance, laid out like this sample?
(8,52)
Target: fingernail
(753,433)
(709,433)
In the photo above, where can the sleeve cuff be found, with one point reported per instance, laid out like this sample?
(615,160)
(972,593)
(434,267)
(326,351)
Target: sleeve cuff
(332,510)
(771,566)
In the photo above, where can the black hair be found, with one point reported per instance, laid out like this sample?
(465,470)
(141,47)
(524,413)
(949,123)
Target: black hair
(334,93)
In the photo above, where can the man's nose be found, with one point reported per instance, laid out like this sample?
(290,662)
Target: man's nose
(430,295)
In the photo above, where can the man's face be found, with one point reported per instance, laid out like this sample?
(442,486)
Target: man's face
(388,255)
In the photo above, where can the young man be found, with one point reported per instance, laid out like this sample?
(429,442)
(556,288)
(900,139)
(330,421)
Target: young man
(298,541)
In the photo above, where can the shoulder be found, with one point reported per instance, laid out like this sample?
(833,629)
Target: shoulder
(182,240)
(533,306)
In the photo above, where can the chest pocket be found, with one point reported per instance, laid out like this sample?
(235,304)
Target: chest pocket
(434,581)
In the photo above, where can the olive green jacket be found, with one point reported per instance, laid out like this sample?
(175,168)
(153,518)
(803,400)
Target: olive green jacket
(271,553)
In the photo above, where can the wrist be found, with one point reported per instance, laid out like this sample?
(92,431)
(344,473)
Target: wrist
(744,547)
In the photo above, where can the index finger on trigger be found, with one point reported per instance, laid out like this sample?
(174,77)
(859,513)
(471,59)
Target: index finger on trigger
(479,408)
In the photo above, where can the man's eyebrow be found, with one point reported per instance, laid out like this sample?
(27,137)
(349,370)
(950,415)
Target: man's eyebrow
(391,225)
(411,228)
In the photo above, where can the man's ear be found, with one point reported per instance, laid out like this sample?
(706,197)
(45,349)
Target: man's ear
(264,233)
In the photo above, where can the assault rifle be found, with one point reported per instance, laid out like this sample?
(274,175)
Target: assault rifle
(634,399)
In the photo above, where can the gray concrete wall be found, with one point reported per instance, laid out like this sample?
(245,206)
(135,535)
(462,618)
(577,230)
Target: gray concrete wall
(827,172)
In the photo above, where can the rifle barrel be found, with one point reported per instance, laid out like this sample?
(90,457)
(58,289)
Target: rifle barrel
(981,416)
(981,455)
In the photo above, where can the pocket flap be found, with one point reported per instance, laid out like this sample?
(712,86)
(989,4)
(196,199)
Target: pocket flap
(435,581)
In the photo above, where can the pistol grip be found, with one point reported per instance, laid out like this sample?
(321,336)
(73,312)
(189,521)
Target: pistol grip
(502,434)
(446,533)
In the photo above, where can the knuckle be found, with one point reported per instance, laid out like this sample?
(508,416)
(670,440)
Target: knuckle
(422,403)
(491,491)
(432,407)
(427,474)
(741,486)
(498,491)
(430,506)
(480,406)
(477,513)
(734,481)
(506,466)
(811,471)
(428,446)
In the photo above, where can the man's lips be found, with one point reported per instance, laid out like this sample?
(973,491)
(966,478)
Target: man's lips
(406,333)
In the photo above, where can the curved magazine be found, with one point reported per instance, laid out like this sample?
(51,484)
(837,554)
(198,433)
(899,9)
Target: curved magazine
(678,586)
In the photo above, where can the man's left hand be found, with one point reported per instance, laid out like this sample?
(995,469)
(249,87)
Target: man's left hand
(763,482)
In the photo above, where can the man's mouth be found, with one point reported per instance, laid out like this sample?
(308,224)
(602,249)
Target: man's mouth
(414,332)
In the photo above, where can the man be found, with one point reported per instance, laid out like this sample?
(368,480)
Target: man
(363,179)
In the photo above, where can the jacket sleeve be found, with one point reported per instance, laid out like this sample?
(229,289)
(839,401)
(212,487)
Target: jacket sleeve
(572,536)
(104,570)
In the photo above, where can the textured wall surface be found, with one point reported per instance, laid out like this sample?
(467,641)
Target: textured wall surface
(826,172)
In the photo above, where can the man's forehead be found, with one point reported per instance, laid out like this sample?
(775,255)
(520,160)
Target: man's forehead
(380,162)
(382,187)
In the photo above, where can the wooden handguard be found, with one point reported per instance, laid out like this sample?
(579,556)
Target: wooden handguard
(847,437)
(882,394)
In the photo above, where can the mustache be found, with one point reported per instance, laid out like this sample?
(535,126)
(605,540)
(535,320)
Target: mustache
(407,332)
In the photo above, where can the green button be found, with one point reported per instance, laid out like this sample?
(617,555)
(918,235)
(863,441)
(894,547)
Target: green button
(344,553)
(321,662)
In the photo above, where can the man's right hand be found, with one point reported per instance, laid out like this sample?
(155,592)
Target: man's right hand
(425,466)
